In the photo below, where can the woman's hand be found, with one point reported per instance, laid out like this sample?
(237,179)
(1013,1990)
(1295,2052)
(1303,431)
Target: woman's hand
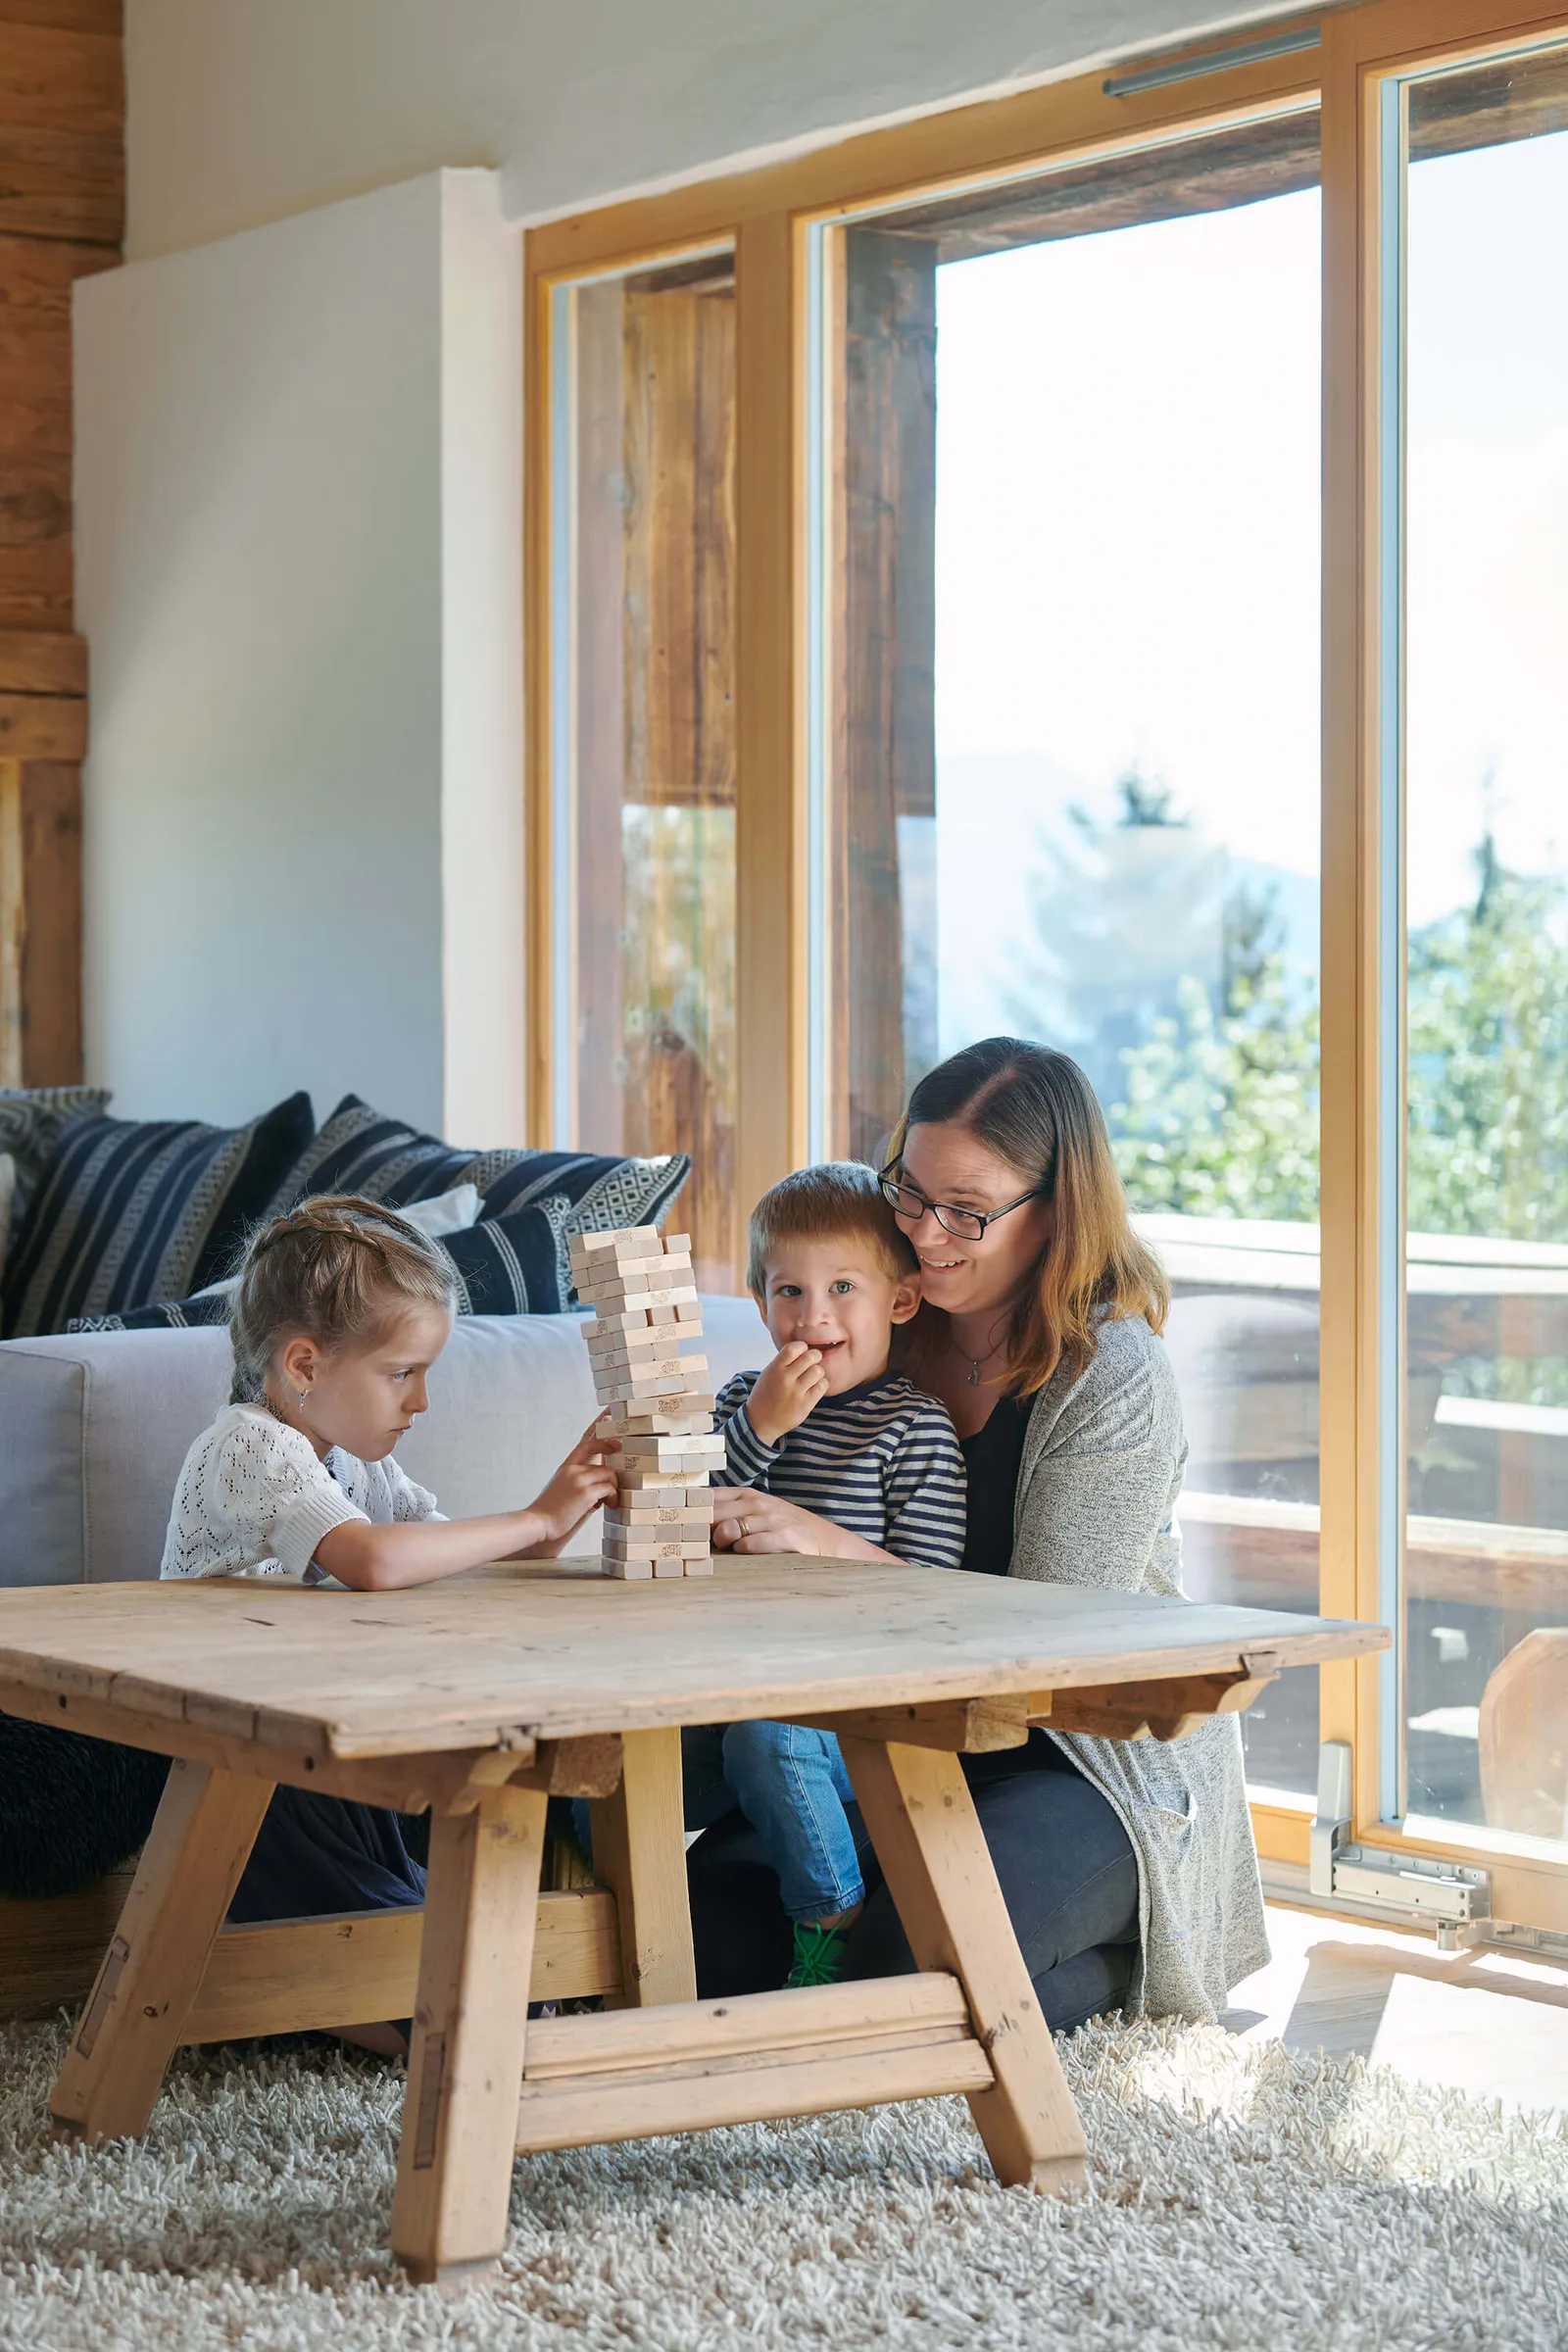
(756,1522)
(585,1480)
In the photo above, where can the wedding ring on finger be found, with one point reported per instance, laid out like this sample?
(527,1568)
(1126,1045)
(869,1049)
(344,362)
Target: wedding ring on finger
(745,1526)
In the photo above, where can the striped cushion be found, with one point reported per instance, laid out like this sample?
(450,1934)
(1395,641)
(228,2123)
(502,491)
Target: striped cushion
(132,1211)
(32,1120)
(515,1264)
(360,1149)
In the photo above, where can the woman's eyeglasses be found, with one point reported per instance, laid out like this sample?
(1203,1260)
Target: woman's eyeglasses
(909,1205)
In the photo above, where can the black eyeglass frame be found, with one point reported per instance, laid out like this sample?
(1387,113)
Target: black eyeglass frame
(943,1209)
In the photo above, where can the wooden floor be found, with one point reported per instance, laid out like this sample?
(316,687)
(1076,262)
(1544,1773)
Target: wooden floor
(1491,2022)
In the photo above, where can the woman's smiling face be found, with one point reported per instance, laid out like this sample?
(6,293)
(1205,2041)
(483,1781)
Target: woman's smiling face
(947,1162)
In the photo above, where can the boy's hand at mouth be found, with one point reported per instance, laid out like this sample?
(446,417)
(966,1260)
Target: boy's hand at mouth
(786,1391)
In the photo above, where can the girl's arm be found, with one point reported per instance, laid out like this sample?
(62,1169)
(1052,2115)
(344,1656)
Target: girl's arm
(380,1559)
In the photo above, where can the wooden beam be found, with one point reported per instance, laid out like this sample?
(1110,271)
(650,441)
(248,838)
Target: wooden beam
(50,662)
(740,2025)
(928,1841)
(966,1725)
(299,1976)
(640,1852)
(42,726)
(702,2064)
(407,1784)
(1169,1709)
(190,1866)
(470,2022)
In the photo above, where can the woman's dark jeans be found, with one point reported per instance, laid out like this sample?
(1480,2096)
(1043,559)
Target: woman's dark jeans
(1064,1860)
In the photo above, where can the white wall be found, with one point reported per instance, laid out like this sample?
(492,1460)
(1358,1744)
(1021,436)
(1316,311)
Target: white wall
(295,494)
(243,110)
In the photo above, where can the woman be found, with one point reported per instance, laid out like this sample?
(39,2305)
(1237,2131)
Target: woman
(1128,1868)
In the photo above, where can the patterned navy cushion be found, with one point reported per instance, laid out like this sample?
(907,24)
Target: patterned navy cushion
(515,1264)
(132,1211)
(32,1119)
(360,1149)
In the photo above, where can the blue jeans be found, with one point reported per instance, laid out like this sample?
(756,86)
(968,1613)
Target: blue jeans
(792,1786)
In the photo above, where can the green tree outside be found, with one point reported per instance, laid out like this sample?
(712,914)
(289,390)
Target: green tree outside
(1221,1110)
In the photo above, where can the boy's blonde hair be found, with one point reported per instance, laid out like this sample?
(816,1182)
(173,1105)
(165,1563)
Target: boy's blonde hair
(841,1199)
(334,1270)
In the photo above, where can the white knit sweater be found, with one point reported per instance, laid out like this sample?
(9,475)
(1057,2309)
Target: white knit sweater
(255,1499)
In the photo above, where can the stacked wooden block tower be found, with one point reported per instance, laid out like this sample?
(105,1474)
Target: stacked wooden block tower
(654,1399)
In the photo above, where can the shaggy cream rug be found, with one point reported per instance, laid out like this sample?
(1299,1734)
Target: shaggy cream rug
(1243,2199)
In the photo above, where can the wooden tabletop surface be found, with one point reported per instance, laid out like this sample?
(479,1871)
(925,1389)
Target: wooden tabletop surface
(553,1650)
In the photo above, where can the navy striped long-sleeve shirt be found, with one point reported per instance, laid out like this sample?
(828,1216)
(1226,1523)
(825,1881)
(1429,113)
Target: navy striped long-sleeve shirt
(882,1461)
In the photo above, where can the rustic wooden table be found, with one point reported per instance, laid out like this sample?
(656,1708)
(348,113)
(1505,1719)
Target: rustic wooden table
(482,1696)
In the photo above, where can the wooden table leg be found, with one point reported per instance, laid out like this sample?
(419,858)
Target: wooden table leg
(933,1853)
(640,1853)
(471,2023)
(190,1866)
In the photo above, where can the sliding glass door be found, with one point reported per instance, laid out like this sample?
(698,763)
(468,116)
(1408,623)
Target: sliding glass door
(1067,743)
(1475,163)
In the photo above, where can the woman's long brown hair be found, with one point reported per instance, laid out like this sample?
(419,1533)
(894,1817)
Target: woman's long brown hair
(1035,1109)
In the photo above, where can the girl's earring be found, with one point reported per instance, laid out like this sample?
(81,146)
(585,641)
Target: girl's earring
(304,1394)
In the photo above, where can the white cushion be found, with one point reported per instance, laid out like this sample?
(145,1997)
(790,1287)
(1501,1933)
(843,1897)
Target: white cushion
(95,1427)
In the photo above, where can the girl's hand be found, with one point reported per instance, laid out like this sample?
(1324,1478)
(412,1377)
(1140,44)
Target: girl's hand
(786,1391)
(771,1525)
(585,1480)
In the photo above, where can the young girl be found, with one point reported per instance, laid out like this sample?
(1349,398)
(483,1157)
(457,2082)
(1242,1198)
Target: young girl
(341,1311)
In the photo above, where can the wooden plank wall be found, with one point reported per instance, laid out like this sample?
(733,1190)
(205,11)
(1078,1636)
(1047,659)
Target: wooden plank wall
(62,213)
(885,737)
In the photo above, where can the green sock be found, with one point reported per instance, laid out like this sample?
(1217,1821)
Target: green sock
(819,1953)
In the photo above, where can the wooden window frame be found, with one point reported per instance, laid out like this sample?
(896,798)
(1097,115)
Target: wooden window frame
(768,215)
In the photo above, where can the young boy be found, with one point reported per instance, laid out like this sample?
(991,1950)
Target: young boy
(829,1426)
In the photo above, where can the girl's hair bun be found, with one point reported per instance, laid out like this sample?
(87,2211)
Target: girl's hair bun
(336,1269)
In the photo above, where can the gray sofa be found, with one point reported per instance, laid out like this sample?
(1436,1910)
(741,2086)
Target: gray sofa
(93,1430)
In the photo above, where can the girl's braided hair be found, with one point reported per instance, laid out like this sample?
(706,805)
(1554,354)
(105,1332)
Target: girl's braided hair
(337,1269)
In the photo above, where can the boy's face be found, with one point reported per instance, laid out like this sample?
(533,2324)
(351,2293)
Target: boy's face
(835,1296)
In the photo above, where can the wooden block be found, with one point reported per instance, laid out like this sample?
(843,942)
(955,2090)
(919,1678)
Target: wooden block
(662,1449)
(640,1853)
(627,1347)
(701,1567)
(633,1477)
(620,1298)
(629,1572)
(624,1421)
(658,1514)
(202,1835)
(635,1319)
(652,1546)
(630,1242)
(921,1817)
(677,1245)
(449,2208)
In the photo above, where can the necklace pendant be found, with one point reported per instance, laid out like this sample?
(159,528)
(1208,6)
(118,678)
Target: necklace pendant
(974,1373)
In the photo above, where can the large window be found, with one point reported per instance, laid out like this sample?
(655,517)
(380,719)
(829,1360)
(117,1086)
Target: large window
(1090,565)
(643,774)
(1479,308)
(1071,680)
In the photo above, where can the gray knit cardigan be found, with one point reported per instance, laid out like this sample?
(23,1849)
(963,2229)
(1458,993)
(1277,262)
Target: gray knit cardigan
(1102,1462)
